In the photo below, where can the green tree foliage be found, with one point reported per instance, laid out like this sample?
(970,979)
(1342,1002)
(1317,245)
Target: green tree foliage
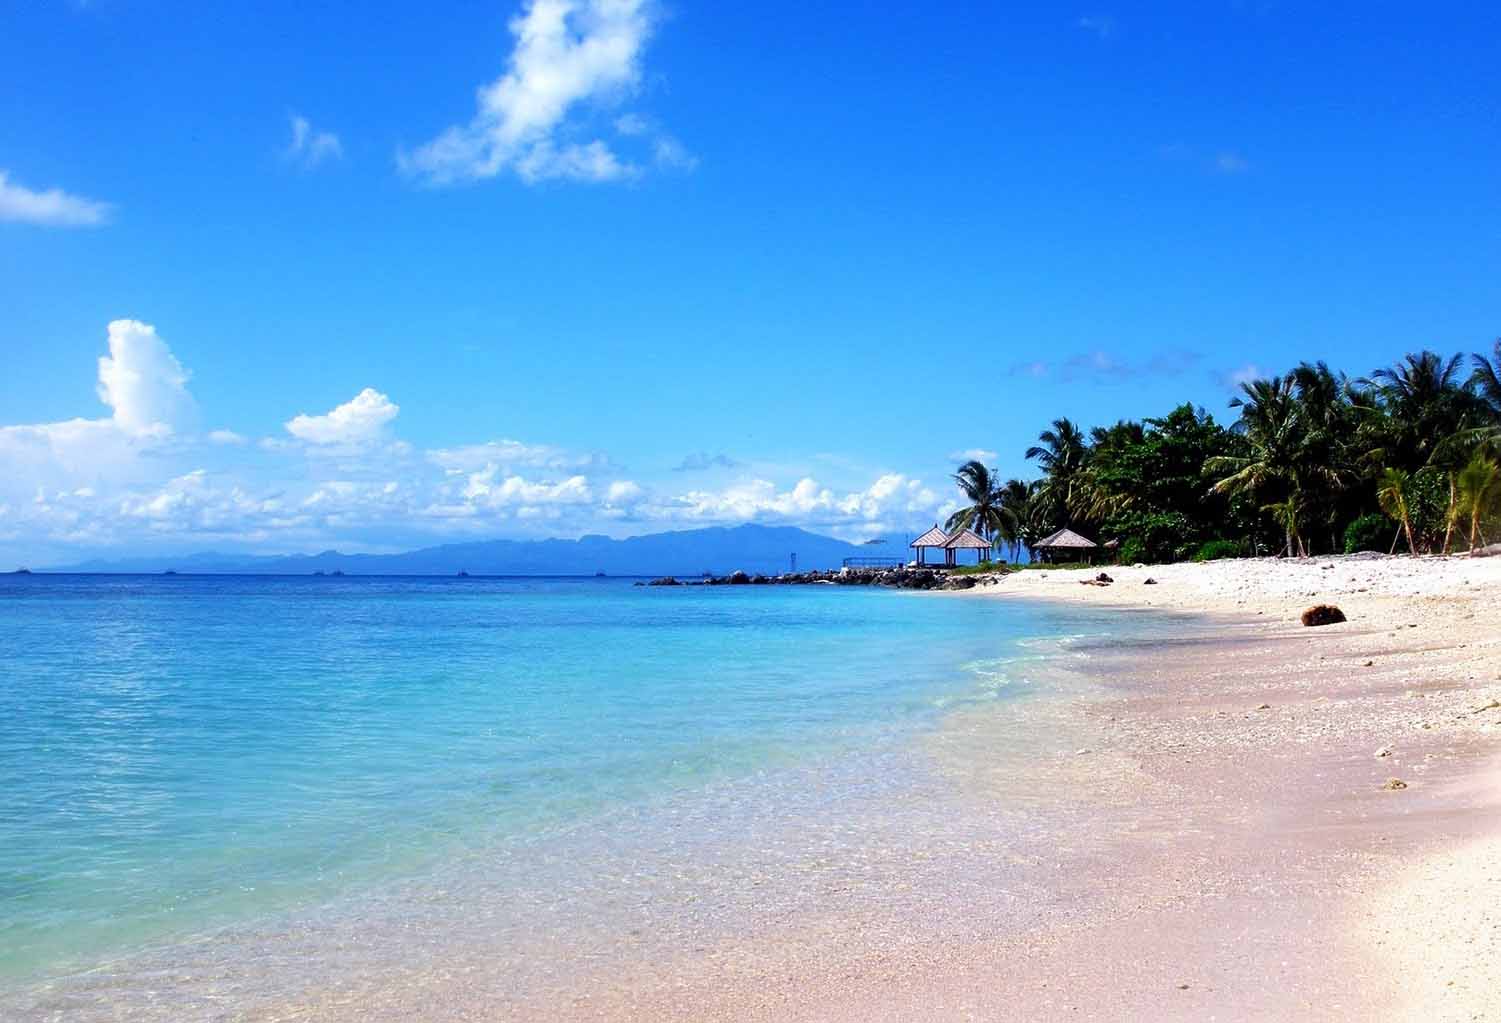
(1310,455)
(984,513)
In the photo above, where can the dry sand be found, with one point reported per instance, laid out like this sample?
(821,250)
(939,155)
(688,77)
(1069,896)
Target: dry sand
(1223,838)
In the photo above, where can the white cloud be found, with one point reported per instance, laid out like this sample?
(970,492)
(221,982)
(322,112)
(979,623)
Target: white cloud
(310,148)
(360,420)
(670,154)
(509,453)
(489,488)
(974,455)
(227,437)
(632,124)
(1243,375)
(567,53)
(146,389)
(52,208)
(142,381)
(892,500)
(1101,25)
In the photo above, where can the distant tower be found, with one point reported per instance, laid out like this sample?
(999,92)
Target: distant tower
(794,562)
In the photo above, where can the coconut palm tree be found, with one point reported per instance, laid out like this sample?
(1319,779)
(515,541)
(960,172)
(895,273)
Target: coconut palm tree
(1062,455)
(983,514)
(1478,487)
(1485,381)
(1392,494)
(1019,506)
(1289,514)
(1272,428)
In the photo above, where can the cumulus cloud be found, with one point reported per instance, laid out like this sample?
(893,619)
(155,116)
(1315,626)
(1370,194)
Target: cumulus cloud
(495,491)
(140,476)
(142,381)
(145,388)
(567,54)
(309,148)
(360,420)
(50,208)
(891,499)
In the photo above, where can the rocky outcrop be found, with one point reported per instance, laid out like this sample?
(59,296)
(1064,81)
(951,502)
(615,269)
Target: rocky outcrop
(900,577)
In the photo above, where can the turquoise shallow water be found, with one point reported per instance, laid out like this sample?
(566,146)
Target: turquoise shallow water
(183,753)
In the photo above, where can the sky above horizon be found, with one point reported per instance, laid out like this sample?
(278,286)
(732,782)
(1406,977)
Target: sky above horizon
(283,277)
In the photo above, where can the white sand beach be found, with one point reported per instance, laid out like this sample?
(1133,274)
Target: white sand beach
(1267,822)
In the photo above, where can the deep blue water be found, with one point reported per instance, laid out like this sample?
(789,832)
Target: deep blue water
(182,752)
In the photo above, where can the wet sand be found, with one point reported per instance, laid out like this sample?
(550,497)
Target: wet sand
(1216,830)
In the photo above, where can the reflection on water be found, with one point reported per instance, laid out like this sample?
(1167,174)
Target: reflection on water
(207,760)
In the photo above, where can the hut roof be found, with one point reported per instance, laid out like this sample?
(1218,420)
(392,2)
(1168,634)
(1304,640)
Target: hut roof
(967,539)
(934,537)
(1065,538)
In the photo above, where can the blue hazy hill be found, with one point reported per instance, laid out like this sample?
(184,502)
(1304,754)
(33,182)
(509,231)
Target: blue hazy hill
(750,548)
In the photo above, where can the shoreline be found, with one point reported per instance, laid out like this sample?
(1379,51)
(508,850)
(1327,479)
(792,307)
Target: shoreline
(1183,816)
(1220,838)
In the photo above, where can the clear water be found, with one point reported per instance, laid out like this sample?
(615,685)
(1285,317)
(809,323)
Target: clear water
(183,753)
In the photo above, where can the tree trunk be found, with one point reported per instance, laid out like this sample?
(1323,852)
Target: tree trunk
(1412,548)
(1395,537)
(1449,527)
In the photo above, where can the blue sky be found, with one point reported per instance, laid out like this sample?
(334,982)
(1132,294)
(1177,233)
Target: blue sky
(614,266)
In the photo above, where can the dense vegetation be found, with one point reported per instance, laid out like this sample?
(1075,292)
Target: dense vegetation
(1408,458)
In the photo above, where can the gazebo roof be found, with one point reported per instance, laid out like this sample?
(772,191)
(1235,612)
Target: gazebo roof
(1066,538)
(967,539)
(934,537)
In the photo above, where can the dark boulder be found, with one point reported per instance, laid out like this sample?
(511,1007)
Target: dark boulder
(1323,614)
(739,579)
(1103,578)
(666,580)
(1149,581)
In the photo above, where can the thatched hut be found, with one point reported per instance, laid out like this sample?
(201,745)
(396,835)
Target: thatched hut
(933,539)
(965,540)
(1063,546)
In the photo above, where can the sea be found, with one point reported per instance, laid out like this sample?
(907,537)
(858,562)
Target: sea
(200,772)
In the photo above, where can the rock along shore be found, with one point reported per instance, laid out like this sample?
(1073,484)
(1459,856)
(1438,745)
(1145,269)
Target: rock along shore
(903,578)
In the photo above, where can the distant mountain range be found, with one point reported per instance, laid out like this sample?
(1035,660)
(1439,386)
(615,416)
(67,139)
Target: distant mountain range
(749,548)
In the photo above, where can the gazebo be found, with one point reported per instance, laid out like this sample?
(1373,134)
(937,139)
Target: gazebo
(934,538)
(1065,545)
(965,540)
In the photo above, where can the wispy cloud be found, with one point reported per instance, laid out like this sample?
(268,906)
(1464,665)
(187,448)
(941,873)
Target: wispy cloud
(1229,162)
(568,54)
(1103,367)
(50,208)
(1232,379)
(1221,161)
(701,461)
(974,455)
(309,148)
(1101,25)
